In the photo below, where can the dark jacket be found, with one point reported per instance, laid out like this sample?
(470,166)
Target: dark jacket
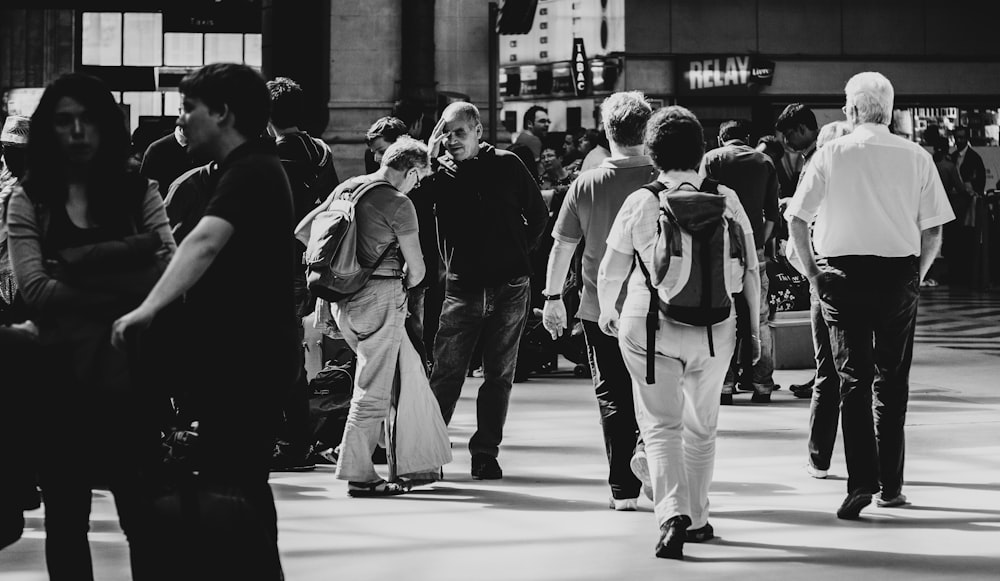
(490,215)
(972,169)
(752,174)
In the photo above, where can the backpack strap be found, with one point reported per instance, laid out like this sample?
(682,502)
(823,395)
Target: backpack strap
(655,187)
(710,186)
(652,322)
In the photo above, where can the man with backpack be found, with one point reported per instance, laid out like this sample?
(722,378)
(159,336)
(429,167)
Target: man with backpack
(585,218)
(490,215)
(308,162)
(373,317)
(688,245)
(752,175)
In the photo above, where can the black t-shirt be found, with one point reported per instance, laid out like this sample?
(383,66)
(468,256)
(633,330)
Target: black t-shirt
(164,161)
(243,305)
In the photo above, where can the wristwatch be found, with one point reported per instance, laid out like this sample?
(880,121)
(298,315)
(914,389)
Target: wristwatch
(555,297)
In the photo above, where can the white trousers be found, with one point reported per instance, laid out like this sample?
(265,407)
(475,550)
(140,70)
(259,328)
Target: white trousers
(678,414)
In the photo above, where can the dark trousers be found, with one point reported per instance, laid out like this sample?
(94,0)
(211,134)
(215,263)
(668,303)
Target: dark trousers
(870,307)
(495,316)
(824,410)
(295,429)
(91,439)
(613,387)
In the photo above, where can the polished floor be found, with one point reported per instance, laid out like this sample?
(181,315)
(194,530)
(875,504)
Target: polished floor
(548,518)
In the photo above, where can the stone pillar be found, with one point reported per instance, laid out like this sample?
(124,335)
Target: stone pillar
(462,50)
(418,76)
(365,69)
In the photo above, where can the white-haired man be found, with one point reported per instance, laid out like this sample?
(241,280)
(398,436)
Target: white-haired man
(879,206)
(587,214)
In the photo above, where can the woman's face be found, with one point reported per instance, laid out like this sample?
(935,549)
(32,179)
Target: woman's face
(76,131)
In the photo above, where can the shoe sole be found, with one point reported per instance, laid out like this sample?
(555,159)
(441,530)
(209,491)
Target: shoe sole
(641,471)
(893,503)
(852,510)
(670,551)
(294,468)
(701,537)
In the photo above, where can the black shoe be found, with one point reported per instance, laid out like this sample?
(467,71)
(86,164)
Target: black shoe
(806,393)
(807,386)
(726,399)
(760,398)
(673,533)
(485,467)
(852,505)
(292,459)
(705,533)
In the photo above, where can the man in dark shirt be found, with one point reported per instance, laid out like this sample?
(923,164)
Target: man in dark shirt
(236,270)
(751,173)
(490,215)
(308,162)
(166,159)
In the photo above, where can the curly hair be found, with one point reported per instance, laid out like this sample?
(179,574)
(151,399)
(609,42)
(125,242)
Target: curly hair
(675,139)
(287,102)
(625,115)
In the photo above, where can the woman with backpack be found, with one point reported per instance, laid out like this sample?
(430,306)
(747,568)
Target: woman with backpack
(88,239)
(677,353)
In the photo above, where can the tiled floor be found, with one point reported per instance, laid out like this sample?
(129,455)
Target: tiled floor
(548,518)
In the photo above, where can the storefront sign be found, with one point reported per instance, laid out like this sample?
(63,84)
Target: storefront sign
(724,75)
(581,69)
(560,79)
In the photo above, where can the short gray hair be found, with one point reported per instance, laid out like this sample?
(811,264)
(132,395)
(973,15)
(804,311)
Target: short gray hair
(625,115)
(405,154)
(871,95)
(463,109)
(831,131)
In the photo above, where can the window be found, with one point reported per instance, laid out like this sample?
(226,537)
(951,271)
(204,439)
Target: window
(543,11)
(142,39)
(513,57)
(102,39)
(543,40)
(544,54)
(223,48)
(513,44)
(543,25)
(252,50)
(183,49)
(142,103)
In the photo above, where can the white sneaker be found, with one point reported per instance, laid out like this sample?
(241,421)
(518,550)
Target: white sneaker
(640,467)
(814,471)
(898,500)
(624,504)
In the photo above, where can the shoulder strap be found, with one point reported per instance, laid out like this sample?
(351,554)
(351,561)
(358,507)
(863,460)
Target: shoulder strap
(655,187)
(710,186)
(652,321)
(365,188)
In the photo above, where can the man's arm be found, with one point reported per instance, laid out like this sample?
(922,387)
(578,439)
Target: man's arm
(554,313)
(192,259)
(611,275)
(409,246)
(751,292)
(930,245)
(800,236)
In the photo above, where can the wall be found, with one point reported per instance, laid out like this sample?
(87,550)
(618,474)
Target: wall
(36,46)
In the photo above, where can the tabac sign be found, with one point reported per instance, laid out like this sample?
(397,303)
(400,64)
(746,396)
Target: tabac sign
(581,69)
(724,75)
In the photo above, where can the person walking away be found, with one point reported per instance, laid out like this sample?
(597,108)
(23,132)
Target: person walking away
(879,206)
(677,408)
(752,175)
(585,219)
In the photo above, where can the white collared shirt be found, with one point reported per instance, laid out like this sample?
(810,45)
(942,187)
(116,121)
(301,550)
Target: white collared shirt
(872,193)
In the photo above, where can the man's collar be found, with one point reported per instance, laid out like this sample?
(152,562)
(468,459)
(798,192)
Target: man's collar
(735,142)
(624,162)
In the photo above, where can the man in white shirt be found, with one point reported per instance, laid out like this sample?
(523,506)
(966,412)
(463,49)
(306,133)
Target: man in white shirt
(879,206)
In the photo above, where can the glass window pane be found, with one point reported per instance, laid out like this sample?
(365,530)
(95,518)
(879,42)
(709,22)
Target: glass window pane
(182,49)
(142,103)
(102,38)
(251,50)
(143,39)
(172,103)
(223,48)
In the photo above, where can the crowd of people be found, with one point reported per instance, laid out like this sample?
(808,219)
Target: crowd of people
(123,288)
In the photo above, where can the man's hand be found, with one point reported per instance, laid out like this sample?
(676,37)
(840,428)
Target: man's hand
(608,322)
(437,138)
(129,324)
(755,341)
(554,317)
(826,281)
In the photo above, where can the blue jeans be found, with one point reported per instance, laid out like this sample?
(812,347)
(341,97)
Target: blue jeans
(869,304)
(824,410)
(495,317)
(761,375)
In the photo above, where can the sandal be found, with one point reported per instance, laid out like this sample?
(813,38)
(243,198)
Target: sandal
(377,488)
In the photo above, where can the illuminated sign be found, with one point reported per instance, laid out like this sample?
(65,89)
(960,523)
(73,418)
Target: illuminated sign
(736,74)
(581,69)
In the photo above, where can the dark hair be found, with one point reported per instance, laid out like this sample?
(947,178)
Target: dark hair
(408,111)
(675,139)
(236,86)
(735,129)
(287,102)
(962,128)
(794,115)
(110,199)
(388,128)
(529,115)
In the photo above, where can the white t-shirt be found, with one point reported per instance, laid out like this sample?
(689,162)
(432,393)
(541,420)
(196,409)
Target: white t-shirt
(634,230)
(872,193)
